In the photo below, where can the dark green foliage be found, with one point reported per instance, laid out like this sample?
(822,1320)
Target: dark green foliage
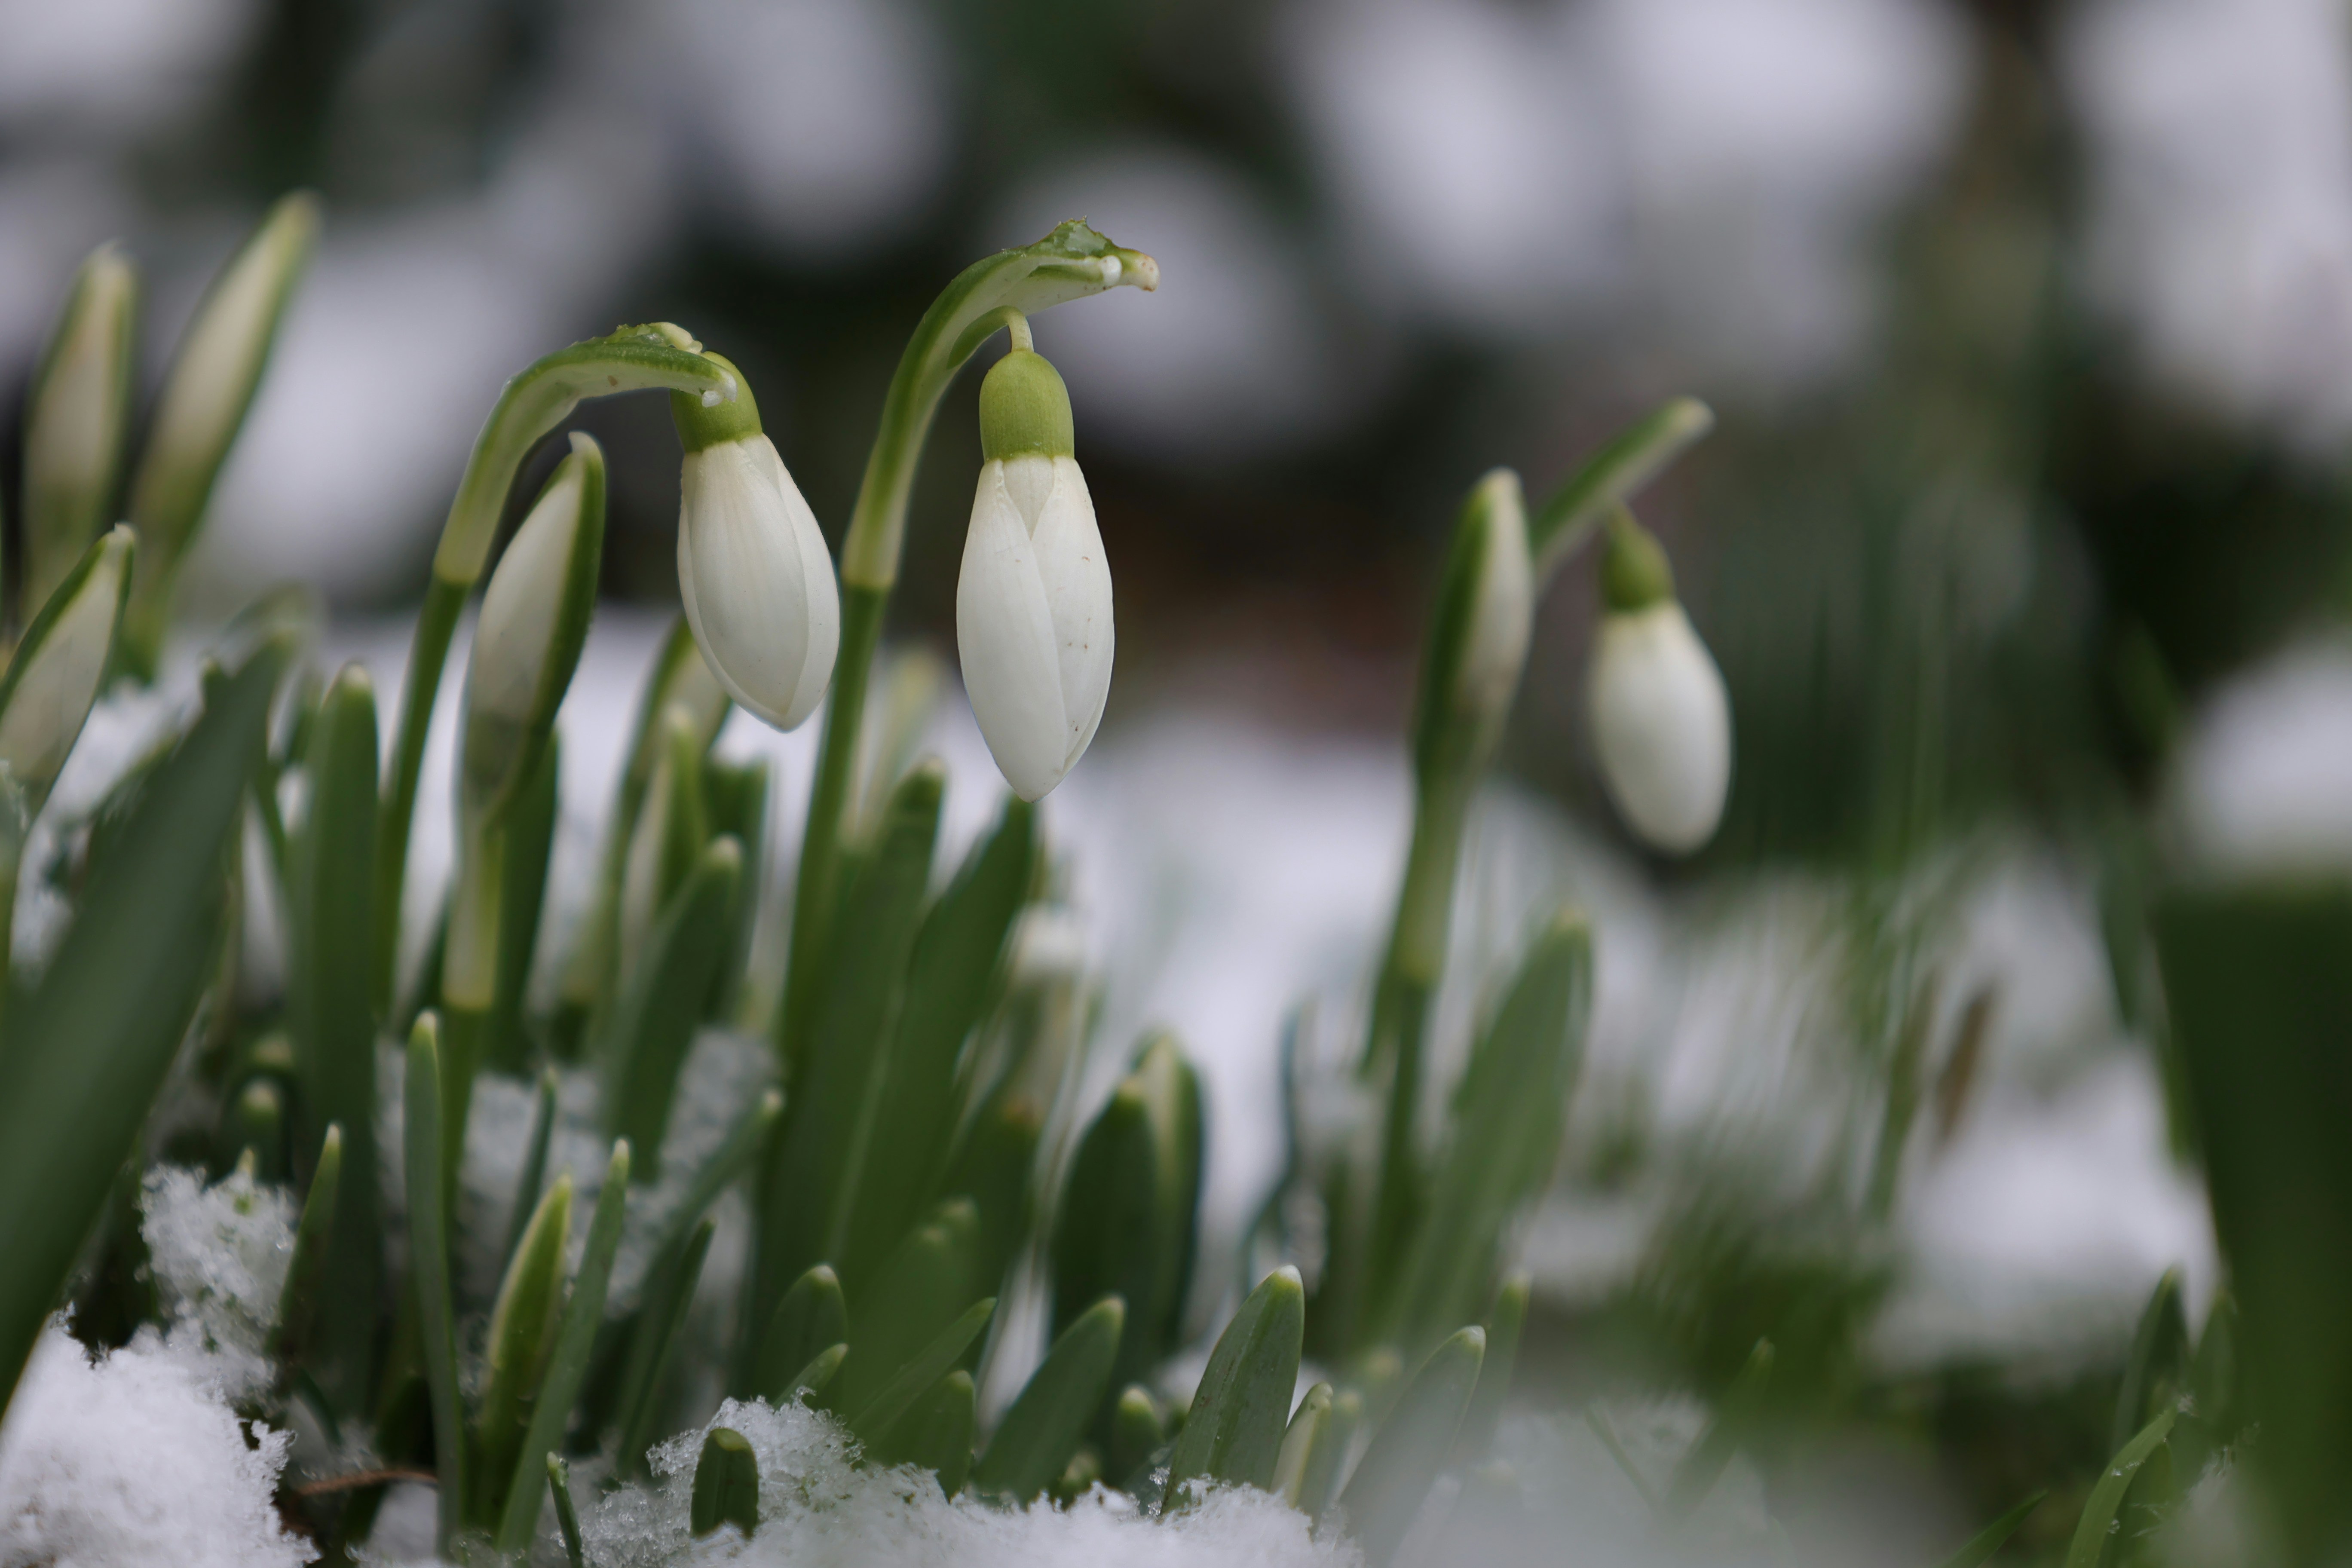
(914,1296)
(88,1050)
(873,1419)
(726,1484)
(1233,1431)
(1034,1440)
(935,1435)
(646,1040)
(811,1317)
(1401,1464)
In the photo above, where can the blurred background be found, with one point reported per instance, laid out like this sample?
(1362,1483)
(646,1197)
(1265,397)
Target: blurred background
(2022,538)
(2025,321)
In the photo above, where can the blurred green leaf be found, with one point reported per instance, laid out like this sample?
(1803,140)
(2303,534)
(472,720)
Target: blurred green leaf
(1504,1325)
(910,1301)
(298,1299)
(669,1294)
(1735,1420)
(567,1517)
(1128,1219)
(811,1317)
(1306,1445)
(86,1053)
(528,831)
(2260,1001)
(726,1484)
(521,1338)
(936,1433)
(1993,1536)
(1331,1452)
(1406,1454)
(2101,1510)
(1037,1436)
(532,1176)
(1508,1117)
(1615,473)
(805,1201)
(644,1043)
(896,1398)
(735,797)
(1234,1432)
(575,1343)
(951,971)
(2158,1371)
(813,1379)
(423,1166)
(1136,1434)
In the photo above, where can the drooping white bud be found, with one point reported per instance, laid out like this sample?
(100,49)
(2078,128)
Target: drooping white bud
(752,565)
(1660,720)
(1033,606)
(56,674)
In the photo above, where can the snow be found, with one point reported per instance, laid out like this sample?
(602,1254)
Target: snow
(219,1255)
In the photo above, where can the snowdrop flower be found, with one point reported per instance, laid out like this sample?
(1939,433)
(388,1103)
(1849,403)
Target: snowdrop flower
(752,564)
(74,421)
(59,667)
(1661,722)
(1032,606)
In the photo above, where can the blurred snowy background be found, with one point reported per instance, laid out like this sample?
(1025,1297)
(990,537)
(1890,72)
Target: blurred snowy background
(2025,527)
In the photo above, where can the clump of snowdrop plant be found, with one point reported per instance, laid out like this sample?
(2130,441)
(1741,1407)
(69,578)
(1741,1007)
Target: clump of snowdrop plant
(805,1269)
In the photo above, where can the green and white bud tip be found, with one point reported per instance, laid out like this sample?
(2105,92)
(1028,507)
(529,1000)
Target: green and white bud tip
(1661,716)
(74,421)
(1034,602)
(752,567)
(59,667)
(1477,646)
(534,620)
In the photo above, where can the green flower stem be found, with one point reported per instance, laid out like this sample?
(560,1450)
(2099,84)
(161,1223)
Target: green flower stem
(635,359)
(1069,263)
(1625,463)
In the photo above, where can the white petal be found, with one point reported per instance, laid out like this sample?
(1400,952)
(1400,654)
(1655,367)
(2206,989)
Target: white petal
(740,570)
(1076,578)
(823,595)
(1662,726)
(1005,632)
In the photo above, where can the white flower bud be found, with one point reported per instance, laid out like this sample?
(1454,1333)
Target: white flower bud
(1032,606)
(752,565)
(1661,720)
(74,421)
(55,677)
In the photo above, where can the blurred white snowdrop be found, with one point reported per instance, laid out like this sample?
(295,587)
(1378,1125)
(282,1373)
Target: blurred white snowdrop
(1243,356)
(2222,192)
(761,90)
(752,567)
(1660,720)
(48,692)
(1032,604)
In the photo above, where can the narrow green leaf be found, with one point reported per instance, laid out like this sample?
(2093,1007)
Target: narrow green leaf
(528,830)
(534,1174)
(1507,1118)
(575,1343)
(899,1395)
(995,1166)
(88,1049)
(914,1296)
(806,1195)
(1136,1434)
(2213,1378)
(936,1433)
(330,937)
(1042,1430)
(1411,1445)
(671,831)
(298,1299)
(817,1376)
(654,1021)
(736,803)
(60,665)
(1993,1536)
(428,1268)
(1504,1325)
(567,1517)
(1234,1432)
(2158,1369)
(1127,1224)
(1735,1418)
(521,1338)
(811,1317)
(1331,1453)
(1614,474)
(669,1295)
(2101,1509)
(726,1484)
(958,953)
(1307,1441)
